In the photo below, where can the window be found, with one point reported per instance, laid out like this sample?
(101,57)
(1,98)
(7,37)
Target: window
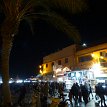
(85,58)
(52,64)
(103,53)
(102,60)
(66,60)
(104,64)
(59,62)
(46,65)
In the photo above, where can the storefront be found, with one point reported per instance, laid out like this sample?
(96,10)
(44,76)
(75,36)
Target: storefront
(80,76)
(59,73)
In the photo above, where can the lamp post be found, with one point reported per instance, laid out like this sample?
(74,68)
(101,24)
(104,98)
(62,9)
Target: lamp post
(40,70)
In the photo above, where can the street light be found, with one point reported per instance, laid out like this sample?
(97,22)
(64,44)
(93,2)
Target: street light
(40,69)
(41,72)
(84,45)
(40,66)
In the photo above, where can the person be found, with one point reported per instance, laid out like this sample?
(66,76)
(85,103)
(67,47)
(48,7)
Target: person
(100,91)
(90,92)
(70,96)
(60,90)
(80,93)
(85,93)
(75,92)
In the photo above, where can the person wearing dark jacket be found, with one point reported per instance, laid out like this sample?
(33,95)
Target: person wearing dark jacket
(75,92)
(100,91)
(85,93)
(90,92)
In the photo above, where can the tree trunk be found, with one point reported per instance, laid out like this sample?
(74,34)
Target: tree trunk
(5,54)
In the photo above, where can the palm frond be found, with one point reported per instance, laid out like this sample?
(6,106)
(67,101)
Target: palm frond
(72,6)
(3,6)
(66,27)
(60,23)
(17,10)
(30,20)
(27,8)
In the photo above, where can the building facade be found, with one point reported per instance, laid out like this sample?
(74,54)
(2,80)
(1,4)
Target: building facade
(93,60)
(59,62)
(89,62)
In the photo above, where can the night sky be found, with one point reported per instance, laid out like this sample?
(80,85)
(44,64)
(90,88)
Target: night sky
(29,49)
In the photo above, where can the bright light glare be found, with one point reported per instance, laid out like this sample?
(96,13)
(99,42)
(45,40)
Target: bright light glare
(34,81)
(11,81)
(39,80)
(96,67)
(68,81)
(40,66)
(19,81)
(1,81)
(25,81)
(41,71)
(66,69)
(77,75)
(53,76)
(104,86)
(101,57)
(101,81)
(92,55)
(84,45)
(58,70)
(60,79)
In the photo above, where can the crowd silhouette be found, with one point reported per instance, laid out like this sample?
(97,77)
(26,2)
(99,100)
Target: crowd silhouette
(40,94)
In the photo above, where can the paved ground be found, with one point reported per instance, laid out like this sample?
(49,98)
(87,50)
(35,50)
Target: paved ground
(91,103)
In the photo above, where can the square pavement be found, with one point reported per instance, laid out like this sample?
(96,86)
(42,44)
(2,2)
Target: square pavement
(91,104)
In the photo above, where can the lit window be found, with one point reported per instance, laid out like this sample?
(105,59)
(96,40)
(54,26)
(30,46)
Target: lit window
(102,60)
(103,53)
(85,58)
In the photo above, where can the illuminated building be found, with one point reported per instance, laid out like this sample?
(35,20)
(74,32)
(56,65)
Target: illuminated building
(93,59)
(56,64)
(90,62)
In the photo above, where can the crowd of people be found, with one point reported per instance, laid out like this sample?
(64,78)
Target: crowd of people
(40,94)
(79,92)
(101,91)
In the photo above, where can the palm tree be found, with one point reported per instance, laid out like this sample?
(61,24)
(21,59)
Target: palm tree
(17,10)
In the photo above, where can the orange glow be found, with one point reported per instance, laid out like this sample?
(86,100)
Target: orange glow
(95,56)
(101,57)
(41,72)
(92,55)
